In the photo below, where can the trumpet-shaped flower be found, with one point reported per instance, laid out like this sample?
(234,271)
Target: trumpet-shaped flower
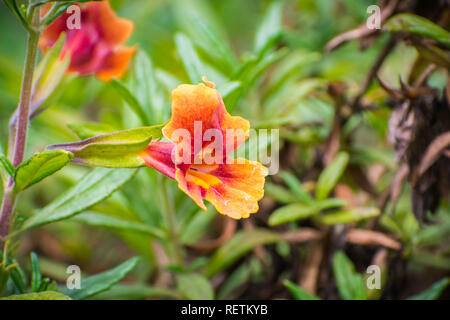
(202,134)
(95,47)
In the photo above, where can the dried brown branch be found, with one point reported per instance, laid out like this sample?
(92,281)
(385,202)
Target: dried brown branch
(434,150)
(229,228)
(302,235)
(310,271)
(362,30)
(368,237)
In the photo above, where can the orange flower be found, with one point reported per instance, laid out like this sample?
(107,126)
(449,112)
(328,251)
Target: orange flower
(233,186)
(97,46)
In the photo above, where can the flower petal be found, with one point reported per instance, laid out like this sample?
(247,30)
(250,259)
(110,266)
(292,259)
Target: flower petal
(51,34)
(233,189)
(158,155)
(241,188)
(203,104)
(193,190)
(116,64)
(114,30)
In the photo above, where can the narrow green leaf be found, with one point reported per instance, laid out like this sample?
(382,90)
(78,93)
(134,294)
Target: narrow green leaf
(270,29)
(349,216)
(200,23)
(228,88)
(93,285)
(131,100)
(36,276)
(433,292)
(135,292)
(279,193)
(147,89)
(349,283)
(197,226)
(93,188)
(47,295)
(102,220)
(49,73)
(236,247)
(7,165)
(298,292)
(194,287)
(189,57)
(296,187)
(238,278)
(113,150)
(330,203)
(412,23)
(291,212)
(86,130)
(19,278)
(40,166)
(331,175)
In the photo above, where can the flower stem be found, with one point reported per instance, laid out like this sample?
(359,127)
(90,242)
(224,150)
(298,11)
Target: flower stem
(20,131)
(168,211)
(25,98)
(9,199)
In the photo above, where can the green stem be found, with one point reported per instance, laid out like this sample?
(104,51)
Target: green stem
(169,212)
(25,99)
(21,129)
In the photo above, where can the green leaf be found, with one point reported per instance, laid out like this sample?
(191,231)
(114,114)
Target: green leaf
(194,287)
(349,216)
(189,57)
(350,284)
(36,276)
(197,226)
(49,73)
(291,212)
(86,130)
(102,220)
(46,295)
(279,193)
(228,88)
(92,285)
(330,203)
(433,292)
(239,276)
(131,100)
(93,188)
(113,150)
(412,23)
(270,29)
(296,186)
(331,175)
(198,21)
(241,243)
(147,89)
(298,292)
(7,165)
(19,278)
(40,166)
(135,292)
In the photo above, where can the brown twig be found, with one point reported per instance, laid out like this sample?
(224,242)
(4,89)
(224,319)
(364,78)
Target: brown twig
(229,228)
(368,237)
(390,45)
(362,30)
(302,235)
(310,272)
